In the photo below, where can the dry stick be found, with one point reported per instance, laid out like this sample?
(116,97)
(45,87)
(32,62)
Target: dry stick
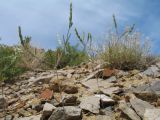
(60,89)
(99,87)
(59,86)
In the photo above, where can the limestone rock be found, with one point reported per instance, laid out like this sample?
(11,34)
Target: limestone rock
(140,106)
(152,114)
(95,84)
(68,113)
(128,111)
(149,91)
(47,110)
(91,103)
(105,100)
(152,71)
(69,100)
(111,90)
(112,79)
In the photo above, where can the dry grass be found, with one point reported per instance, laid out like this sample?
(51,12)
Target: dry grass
(29,61)
(126,52)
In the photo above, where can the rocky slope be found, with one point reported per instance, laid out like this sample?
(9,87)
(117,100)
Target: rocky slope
(86,92)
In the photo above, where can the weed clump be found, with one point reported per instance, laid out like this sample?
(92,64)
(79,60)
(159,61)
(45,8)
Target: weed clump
(126,51)
(9,62)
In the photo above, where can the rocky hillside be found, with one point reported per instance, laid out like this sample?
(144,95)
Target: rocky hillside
(86,92)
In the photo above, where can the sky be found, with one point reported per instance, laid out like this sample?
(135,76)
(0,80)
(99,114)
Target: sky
(47,20)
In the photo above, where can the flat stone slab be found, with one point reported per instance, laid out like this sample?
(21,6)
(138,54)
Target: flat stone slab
(152,114)
(105,100)
(150,89)
(66,113)
(140,106)
(95,84)
(128,111)
(91,103)
(152,71)
(111,90)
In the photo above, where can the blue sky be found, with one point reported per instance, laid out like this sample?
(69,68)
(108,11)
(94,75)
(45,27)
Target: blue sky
(44,19)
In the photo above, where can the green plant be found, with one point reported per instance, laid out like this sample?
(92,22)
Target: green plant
(67,54)
(74,57)
(50,57)
(30,57)
(9,63)
(86,42)
(125,51)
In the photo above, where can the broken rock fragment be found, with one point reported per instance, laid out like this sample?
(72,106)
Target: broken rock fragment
(108,72)
(95,84)
(105,100)
(70,89)
(69,100)
(66,113)
(139,106)
(47,110)
(152,71)
(111,90)
(91,103)
(152,114)
(46,94)
(128,111)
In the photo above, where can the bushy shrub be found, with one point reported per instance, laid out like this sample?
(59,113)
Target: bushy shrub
(50,58)
(126,51)
(9,63)
(31,57)
(72,57)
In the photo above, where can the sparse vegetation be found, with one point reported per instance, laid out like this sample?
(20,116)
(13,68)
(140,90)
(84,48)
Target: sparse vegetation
(126,51)
(122,51)
(73,57)
(68,54)
(119,75)
(9,63)
(31,57)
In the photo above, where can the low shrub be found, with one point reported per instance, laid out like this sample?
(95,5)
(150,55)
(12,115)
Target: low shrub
(126,51)
(30,57)
(9,63)
(72,57)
